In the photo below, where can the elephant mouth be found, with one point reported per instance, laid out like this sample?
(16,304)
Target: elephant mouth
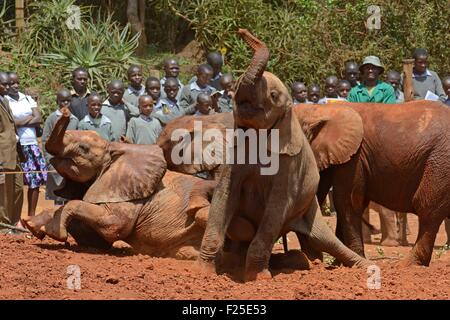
(246,110)
(66,167)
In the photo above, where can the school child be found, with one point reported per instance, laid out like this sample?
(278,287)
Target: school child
(144,129)
(95,120)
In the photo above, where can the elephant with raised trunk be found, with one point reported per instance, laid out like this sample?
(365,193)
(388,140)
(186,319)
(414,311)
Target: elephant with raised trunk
(272,204)
(122,192)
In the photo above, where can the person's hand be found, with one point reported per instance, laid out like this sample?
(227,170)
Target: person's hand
(65,111)
(124,139)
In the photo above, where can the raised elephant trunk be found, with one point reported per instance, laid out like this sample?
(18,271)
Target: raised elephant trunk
(259,60)
(54,143)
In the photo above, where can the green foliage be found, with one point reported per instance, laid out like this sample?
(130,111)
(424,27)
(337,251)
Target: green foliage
(47,51)
(46,25)
(103,47)
(310,40)
(380,251)
(442,250)
(5,26)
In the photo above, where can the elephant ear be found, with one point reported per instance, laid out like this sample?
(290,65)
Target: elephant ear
(335,132)
(72,190)
(135,173)
(183,146)
(290,134)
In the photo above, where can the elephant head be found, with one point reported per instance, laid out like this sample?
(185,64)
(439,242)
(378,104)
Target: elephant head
(262,101)
(169,141)
(334,131)
(99,171)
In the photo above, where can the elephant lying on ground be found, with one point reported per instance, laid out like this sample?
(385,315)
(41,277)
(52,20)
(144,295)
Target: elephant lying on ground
(123,192)
(394,155)
(274,204)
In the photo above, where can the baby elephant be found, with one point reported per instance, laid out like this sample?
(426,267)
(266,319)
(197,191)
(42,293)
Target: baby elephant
(123,192)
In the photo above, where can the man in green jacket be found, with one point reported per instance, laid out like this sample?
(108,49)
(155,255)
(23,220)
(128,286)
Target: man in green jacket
(11,185)
(371,89)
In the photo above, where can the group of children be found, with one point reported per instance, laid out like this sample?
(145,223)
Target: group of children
(139,112)
(336,90)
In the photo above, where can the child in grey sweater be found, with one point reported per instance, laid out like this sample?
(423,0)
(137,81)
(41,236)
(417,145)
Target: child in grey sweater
(144,129)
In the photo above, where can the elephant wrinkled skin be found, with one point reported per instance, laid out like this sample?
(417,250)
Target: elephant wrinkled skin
(272,204)
(395,155)
(123,192)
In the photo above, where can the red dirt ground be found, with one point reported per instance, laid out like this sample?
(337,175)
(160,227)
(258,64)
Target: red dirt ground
(33,269)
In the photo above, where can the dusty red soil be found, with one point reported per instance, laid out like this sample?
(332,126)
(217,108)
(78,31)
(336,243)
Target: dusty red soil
(33,269)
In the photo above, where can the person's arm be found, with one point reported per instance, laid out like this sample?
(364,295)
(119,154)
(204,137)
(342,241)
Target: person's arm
(156,131)
(133,111)
(36,118)
(48,127)
(389,95)
(352,96)
(186,103)
(23,122)
(130,131)
(439,89)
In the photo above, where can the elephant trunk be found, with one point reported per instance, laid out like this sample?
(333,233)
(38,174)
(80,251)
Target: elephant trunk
(54,144)
(220,215)
(259,60)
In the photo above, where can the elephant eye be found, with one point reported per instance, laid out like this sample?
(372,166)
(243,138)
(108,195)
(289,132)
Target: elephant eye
(274,95)
(84,148)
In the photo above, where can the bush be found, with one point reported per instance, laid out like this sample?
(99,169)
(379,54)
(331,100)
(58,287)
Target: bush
(48,50)
(310,40)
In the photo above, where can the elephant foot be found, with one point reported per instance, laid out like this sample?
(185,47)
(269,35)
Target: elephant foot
(55,231)
(257,276)
(363,264)
(411,260)
(187,253)
(35,223)
(204,267)
(390,243)
(293,259)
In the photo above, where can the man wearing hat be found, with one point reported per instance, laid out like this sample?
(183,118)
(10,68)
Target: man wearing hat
(371,89)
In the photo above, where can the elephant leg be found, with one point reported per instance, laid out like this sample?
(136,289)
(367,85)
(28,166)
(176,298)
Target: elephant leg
(109,226)
(86,236)
(349,222)
(366,230)
(423,248)
(350,201)
(402,224)
(260,249)
(324,186)
(389,232)
(321,238)
(223,206)
(447,230)
(308,248)
(35,223)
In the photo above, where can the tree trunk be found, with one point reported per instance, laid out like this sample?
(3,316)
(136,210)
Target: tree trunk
(20,21)
(136,18)
(408,89)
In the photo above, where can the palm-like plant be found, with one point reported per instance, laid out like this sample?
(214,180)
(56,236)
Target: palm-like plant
(101,45)
(46,24)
